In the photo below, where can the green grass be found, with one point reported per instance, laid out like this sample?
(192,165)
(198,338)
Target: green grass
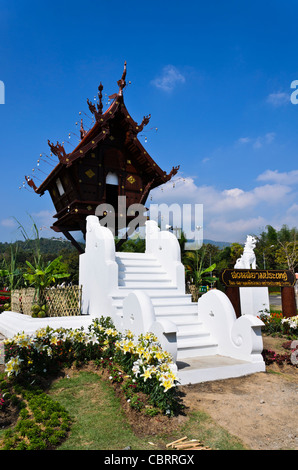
(99,422)
(201,426)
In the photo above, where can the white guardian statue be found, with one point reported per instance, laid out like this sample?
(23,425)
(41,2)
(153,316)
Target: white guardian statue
(253,300)
(248,258)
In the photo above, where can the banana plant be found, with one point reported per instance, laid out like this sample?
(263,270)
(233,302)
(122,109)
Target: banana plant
(193,268)
(42,277)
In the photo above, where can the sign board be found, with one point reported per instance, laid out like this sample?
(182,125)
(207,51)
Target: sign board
(203,289)
(257,278)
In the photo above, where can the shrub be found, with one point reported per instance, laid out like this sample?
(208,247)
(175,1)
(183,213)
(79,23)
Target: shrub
(43,422)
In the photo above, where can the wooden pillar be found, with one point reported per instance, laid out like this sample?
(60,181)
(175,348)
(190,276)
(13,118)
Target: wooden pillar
(73,241)
(288,302)
(233,294)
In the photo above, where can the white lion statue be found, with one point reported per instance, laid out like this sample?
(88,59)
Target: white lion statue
(248,258)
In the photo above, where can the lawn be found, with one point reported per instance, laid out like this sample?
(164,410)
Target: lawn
(99,422)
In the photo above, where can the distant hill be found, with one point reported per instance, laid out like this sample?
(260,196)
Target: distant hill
(47,245)
(219,244)
(53,245)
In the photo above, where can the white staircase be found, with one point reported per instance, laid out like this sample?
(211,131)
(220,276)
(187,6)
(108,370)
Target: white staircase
(146,292)
(143,271)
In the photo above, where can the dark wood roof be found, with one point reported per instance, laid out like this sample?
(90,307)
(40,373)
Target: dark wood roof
(100,131)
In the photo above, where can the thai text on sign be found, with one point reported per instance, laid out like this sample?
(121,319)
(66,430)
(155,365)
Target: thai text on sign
(257,278)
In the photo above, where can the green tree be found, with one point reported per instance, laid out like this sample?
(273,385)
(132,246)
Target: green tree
(12,275)
(236,252)
(195,273)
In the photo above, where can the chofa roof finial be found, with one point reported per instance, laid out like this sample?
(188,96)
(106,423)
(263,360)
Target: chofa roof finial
(122,83)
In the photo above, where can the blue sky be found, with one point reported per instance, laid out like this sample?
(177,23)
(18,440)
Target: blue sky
(215,76)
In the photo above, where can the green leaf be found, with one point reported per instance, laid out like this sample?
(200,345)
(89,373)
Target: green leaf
(30,266)
(211,268)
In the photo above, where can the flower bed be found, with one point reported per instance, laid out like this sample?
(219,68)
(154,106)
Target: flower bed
(276,324)
(4,300)
(139,364)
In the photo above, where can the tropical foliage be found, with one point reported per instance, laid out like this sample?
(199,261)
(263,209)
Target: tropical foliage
(194,271)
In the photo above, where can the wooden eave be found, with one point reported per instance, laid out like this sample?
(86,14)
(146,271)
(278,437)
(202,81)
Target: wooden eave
(54,174)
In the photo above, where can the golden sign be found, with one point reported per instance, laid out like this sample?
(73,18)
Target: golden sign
(90,173)
(131,179)
(257,278)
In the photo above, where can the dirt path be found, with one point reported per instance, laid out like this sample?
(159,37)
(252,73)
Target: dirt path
(260,409)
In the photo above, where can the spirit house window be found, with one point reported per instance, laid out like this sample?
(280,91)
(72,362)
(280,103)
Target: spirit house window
(112,179)
(60,187)
(112,189)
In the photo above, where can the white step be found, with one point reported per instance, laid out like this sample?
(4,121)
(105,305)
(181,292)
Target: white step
(214,367)
(187,325)
(152,290)
(131,259)
(191,335)
(133,255)
(199,346)
(140,268)
(140,271)
(182,309)
(159,298)
(144,276)
(145,284)
(179,319)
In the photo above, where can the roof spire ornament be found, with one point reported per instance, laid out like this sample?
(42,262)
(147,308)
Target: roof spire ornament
(144,123)
(57,150)
(99,106)
(96,110)
(82,130)
(93,109)
(31,182)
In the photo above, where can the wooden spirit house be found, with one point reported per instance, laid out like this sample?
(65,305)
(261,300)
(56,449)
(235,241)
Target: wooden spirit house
(108,162)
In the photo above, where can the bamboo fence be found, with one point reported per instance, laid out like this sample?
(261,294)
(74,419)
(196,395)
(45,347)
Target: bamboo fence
(60,301)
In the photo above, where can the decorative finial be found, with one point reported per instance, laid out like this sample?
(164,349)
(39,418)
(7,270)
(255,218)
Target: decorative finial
(144,123)
(82,130)
(57,150)
(173,172)
(99,106)
(31,182)
(93,109)
(122,83)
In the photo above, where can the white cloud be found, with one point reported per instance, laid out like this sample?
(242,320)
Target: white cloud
(289,178)
(231,214)
(9,223)
(231,228)
(278,99)
(257,142)
(169,78)
(244,140)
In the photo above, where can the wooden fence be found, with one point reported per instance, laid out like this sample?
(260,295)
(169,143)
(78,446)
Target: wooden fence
(60,301)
